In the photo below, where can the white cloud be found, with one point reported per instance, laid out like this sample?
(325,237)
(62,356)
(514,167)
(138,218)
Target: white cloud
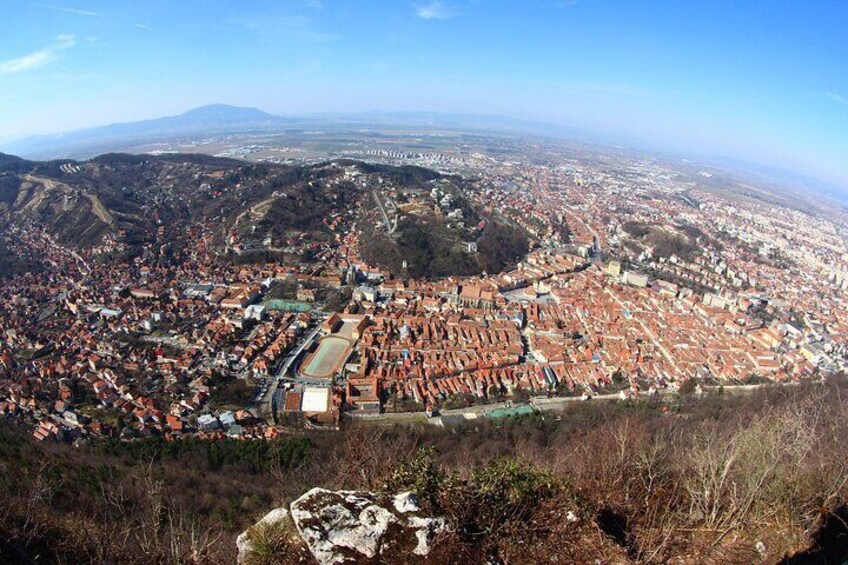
(38,58)
(838,98)
(142,26)
(74,11)
(435,10)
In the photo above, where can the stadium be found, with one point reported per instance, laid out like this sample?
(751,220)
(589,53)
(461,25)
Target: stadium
(327,359)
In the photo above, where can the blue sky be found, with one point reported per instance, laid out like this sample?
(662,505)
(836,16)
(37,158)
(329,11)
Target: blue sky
(759,80)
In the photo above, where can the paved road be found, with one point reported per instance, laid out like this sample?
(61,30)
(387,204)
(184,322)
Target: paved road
(390,228)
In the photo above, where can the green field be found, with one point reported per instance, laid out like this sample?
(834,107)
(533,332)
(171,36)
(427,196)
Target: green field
(287,305)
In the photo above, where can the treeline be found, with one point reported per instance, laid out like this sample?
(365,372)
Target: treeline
(755,478)
(9,187)
(501,245)
(305,208)
(406,175)
(137,502)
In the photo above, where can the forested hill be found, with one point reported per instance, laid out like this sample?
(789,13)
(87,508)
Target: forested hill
(120,203)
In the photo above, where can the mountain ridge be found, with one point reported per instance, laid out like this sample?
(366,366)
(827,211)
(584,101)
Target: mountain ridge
(212,118)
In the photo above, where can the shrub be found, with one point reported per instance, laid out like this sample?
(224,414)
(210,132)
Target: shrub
(276,543)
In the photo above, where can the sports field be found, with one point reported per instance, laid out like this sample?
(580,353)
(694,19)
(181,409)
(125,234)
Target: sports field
(287,305)
(327,359)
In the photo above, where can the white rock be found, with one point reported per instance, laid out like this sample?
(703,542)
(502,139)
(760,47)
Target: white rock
(760,547)
(330,522)
(426,530)
(345,526)
(406,502)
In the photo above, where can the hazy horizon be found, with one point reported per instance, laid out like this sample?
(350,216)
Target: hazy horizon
(763,83)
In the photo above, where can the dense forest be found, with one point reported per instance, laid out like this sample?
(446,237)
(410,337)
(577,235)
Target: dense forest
(431,252)
(664,243)
(404,175)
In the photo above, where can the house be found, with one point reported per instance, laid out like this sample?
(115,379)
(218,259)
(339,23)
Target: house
(142,293)
(227,418)
(613,268)
(255,312)
(208,422)
(363,394)
(332,323)
(367,294)
(174,422)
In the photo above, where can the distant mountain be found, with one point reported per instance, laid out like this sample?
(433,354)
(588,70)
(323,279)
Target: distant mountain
(215,118)
(220,113)
(224,119)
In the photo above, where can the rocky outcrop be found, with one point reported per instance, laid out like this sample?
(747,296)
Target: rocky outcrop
(353,526)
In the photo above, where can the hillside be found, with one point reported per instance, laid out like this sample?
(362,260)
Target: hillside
(119,204)
(756,478)
(422,225)
(128,196)
(432,251)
